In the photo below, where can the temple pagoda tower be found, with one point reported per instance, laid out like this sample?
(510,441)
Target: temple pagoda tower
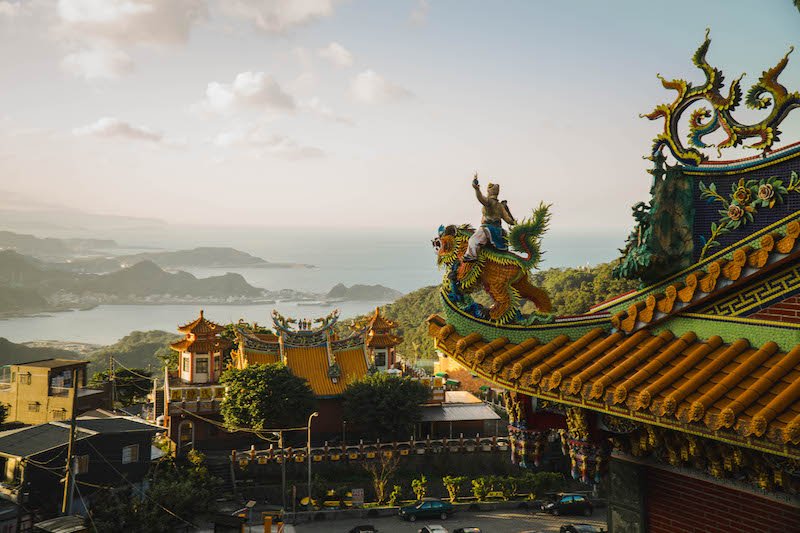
(200,353)
(381,341)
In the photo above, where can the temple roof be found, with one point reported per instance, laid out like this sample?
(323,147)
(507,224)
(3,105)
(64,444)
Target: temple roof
(201,326)
(311,364)
(726,391)
(201,345)
(707,282)
(379,322)
(382,340)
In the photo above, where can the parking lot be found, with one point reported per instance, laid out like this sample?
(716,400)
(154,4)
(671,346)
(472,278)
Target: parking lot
(489,522)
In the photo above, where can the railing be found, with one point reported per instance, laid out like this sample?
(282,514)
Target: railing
(371,451)
(196,399)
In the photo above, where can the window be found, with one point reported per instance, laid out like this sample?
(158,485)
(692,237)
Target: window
(380,358)
(33,407)
(578,499)
(218,364)
(59,414)
(186,364)
(201,366)
(25,379)
(130,454)
(81,464)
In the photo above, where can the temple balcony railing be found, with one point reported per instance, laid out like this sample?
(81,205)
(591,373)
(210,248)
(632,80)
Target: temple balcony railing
(371,451)
(195,399)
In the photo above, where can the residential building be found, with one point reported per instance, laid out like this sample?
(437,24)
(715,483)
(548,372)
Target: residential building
(113,452)
(41,391)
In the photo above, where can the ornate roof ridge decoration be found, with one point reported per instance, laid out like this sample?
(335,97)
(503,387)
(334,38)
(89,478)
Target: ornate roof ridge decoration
(702,284)
(766,93)
(291,325)
(655,378)
(201,326)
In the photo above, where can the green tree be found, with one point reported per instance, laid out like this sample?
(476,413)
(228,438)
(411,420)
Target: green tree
(384,406)
(177,496)
(130,385)
(266,396)
(453,484)
(420,487)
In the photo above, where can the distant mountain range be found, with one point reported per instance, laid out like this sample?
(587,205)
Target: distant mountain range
(366,293)
(205,257)
(29,285)
(49,247)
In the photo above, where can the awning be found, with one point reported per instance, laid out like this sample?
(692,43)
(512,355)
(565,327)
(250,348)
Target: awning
(458,413)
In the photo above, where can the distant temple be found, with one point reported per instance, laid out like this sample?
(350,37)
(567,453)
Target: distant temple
(381,340)
(686,393)
(311,349)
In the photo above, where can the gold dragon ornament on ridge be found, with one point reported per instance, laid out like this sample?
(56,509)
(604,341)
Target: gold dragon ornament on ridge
(703,121)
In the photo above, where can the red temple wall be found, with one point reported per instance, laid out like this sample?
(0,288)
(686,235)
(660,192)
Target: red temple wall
(681,504)
(787,310)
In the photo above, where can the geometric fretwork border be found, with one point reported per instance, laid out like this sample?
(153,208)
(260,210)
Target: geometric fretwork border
(779,286)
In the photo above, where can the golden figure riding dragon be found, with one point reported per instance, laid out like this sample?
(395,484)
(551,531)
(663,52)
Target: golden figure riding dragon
(481,259)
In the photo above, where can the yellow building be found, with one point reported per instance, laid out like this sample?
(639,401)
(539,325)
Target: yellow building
(41,391)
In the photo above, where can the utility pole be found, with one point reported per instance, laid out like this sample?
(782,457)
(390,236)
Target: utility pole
(310,417)
(113,381)
(283,469)
(68,473)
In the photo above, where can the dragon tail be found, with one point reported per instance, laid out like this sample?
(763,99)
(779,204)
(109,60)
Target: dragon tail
(526,237)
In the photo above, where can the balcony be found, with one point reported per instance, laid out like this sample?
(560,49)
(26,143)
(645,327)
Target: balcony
(196,399)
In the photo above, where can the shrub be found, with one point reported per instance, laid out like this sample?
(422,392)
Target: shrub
(480,488)
(395,495)
(453,485)
(420,487)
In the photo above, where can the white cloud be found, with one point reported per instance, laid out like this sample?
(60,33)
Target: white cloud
(249,90)
(419,15)
(9,9)
(162,22)
(277,16)
(371,87)
(109,127)
(261,142)
(316,107)
(337,54)
(98,63)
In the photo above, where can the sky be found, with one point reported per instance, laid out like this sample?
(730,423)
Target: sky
(356,113)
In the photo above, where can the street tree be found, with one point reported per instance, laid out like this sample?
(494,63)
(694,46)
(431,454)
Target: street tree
(129,384)
(381,472)
(265,396)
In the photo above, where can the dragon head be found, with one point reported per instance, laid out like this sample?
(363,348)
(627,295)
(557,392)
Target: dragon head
(446,245)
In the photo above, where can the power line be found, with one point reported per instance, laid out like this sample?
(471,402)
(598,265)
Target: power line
(91,520)
(142,492)
(151,378)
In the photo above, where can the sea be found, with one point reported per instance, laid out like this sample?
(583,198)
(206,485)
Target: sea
(399,259)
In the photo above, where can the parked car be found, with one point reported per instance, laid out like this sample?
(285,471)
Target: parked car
(364,529)
(433,529)
(468,530)
(569,504)
(427,508)
(581,528)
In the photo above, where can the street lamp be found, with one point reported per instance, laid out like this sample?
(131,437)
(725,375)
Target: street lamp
(312,415)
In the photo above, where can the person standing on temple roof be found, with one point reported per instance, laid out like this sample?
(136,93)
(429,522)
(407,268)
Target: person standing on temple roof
(494,213)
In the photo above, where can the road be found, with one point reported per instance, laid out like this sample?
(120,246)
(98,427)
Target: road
(489,522)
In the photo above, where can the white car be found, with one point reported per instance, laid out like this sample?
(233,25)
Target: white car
(432,528)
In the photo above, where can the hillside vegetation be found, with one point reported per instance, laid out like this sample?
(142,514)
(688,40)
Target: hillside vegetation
(572,290)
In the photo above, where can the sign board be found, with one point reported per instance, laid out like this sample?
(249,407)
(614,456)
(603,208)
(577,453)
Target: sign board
(358,497)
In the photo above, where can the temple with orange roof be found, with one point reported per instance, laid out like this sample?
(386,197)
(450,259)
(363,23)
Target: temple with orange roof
(382,341)
(312,350)
(192,395)
(686,393)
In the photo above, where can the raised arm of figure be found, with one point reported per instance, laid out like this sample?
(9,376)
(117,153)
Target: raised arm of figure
(477,187)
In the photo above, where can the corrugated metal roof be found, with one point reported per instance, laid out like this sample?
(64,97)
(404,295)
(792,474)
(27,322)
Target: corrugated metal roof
(458,413)
(31,440)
